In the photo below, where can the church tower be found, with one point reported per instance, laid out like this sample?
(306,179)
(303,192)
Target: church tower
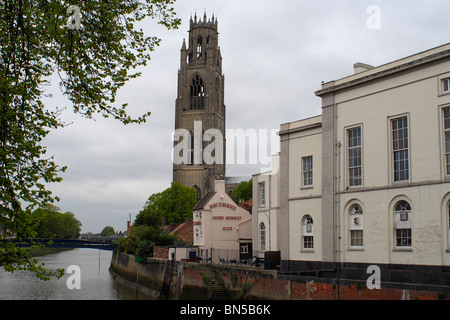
(200,108)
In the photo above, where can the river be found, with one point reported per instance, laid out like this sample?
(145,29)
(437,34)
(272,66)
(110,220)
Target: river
(96,283)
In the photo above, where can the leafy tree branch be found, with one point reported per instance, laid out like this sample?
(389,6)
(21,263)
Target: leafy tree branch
(93,62)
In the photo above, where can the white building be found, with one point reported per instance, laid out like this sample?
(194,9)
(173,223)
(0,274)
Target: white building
(222,229)
(368,181)
(266,210)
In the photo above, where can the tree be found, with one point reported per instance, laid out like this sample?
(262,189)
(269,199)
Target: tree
(244,191)
(94,54)
(175,204)
(107,231)
(52,223)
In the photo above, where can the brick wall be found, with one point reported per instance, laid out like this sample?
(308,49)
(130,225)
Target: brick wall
(161,252)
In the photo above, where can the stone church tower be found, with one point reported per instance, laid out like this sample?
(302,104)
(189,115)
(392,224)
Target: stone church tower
(200,106)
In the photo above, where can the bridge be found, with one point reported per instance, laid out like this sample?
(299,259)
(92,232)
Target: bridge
(105,244)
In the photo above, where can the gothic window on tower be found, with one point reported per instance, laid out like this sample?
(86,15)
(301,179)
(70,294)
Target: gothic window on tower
(190,160)
(198,194)
(199,48)
(197,94)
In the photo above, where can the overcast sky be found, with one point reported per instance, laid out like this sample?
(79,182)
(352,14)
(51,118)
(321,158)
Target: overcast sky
(275,56)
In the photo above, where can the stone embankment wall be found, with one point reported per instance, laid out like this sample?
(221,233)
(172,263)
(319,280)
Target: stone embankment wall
(166,279)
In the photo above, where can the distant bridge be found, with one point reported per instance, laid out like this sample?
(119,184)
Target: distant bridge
(105,244)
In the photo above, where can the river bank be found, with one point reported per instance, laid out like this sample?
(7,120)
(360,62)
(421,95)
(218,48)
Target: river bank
(43,251)
(175,280)
(180,280)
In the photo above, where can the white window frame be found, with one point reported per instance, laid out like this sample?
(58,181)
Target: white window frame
(356,226)
(445,85)
(262,194)
(402,224)
(307,234)
(446,140)
(400,150)
(447,213)
(349,149)
(307,171)
(262,236)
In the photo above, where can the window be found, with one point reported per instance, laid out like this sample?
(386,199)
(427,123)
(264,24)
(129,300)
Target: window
(448,225)
(262,234)
(190,151)
(307,233)
(354,157)
(307,164)
(400,148)
(447,139)
(198,196)
(356,226)
(262,194)
(445,85)
(197,94)
(199,48)
(402,224)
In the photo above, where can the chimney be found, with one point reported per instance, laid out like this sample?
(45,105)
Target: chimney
(163,221)
(361,67)
(219,186)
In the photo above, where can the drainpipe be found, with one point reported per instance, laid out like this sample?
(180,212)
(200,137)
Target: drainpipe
(337,212)
(270,204)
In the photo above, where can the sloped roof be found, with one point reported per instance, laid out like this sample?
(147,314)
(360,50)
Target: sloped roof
(201,204)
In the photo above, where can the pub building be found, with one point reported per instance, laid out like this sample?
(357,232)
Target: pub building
(222,229)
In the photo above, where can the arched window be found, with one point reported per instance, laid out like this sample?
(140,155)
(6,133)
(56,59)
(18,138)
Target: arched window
(307,232)
(356,226)
(197,94)
(448,224)
(198,196)
(199,47)
(402,224)
(262,236)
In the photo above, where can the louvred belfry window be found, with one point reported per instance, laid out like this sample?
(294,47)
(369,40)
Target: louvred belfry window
(197,94)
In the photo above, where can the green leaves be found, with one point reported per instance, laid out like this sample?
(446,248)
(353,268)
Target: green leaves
(243,191)
(93,62)
(52,223)
(174,203)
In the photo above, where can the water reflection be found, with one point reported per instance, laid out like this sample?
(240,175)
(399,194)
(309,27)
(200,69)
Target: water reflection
(96,281)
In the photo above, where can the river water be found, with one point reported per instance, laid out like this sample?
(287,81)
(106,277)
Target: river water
(96,283)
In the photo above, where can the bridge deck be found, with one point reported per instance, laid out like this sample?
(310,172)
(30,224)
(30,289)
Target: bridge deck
(70,243)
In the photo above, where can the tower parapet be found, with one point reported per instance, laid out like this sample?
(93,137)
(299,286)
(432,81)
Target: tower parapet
(205,23)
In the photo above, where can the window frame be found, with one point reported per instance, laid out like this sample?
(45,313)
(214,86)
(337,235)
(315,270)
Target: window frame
(262,193)
(199,49)
(402,228)
(262,236)
(446,140)
(398,151)
(356,227)
(445,81)
(197,94)
(447,214)
(349,148)
(307,175)
(307,236)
